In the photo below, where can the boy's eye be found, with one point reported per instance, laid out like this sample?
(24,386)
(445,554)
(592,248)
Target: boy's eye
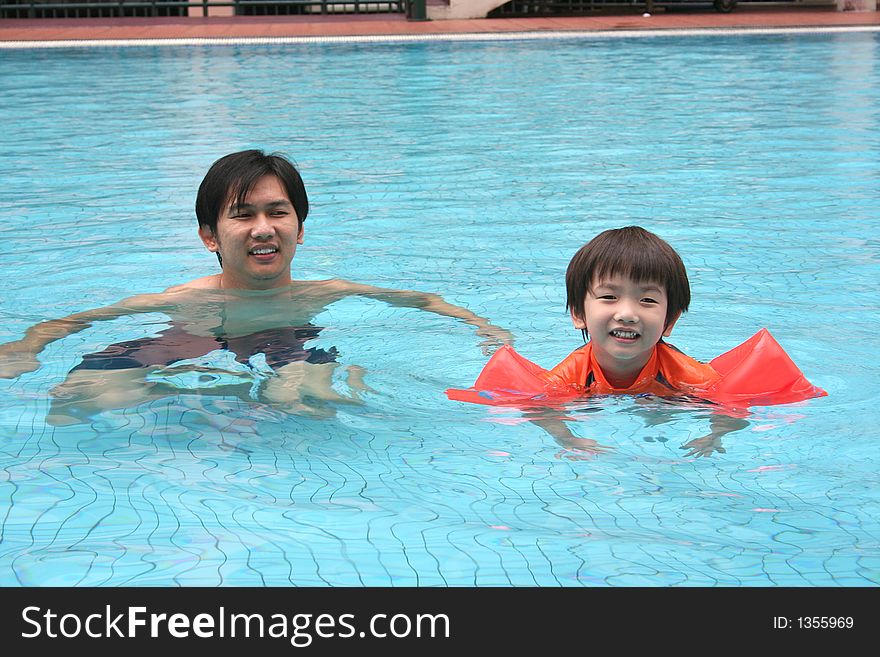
(649,300)
(609,297)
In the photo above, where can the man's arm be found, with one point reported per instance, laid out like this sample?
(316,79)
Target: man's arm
(20,356)
(495,336)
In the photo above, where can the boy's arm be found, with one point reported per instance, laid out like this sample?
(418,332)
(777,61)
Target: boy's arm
(495,336)
(20,356)
(551,421)
(720,424)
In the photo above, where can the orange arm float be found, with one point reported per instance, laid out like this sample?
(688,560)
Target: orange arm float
(756,373)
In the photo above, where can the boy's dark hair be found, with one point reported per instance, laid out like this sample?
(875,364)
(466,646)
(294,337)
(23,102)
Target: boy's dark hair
(632,252)
(231,178)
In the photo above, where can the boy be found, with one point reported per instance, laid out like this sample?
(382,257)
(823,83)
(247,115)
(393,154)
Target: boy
(626,290)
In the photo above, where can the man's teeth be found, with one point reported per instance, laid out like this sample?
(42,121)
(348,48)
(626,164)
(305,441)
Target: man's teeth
(263,251)
(624,334)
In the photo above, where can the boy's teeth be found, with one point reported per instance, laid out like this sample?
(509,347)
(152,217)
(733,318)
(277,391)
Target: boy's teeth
(624,334)
(262,251)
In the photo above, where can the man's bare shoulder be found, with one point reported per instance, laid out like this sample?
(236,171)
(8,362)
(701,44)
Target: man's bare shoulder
(211,282)
(139,303)
(169,298)
(339,286)
(326,285)
(151,301)
(326,291)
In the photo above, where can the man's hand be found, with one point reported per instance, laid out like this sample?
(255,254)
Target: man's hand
(495,337)
(16,359)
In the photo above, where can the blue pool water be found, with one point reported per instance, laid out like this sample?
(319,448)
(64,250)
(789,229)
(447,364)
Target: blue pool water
(474,170)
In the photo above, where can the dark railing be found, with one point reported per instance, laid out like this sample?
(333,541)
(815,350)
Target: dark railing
(575,7)
(119,8)
(288,7)
(545,7)
(564,7)
(91,8)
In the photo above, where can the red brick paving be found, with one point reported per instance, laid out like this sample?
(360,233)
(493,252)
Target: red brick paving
(292,26)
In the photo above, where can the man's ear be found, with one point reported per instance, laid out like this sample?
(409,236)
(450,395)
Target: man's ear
(302,230)
(579,322)
(668,330)
(208,238)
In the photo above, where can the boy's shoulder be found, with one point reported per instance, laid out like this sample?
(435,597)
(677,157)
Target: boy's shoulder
(574,368)
(681,369)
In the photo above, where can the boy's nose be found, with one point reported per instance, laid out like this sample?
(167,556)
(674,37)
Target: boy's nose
(626,313)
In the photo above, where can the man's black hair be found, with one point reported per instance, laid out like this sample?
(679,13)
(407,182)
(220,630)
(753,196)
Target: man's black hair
(231,178)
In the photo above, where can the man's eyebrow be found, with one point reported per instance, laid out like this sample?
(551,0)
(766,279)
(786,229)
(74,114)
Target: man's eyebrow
(250,206)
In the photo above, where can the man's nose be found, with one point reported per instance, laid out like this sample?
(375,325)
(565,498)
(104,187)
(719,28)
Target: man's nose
(262,228)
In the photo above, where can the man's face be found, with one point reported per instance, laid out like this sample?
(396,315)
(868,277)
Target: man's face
(257,239)
(625,320)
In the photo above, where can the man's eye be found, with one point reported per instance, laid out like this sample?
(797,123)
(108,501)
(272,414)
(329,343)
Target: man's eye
(279,213)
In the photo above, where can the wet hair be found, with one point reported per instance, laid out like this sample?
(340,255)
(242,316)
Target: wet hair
(231,178)
(632,252)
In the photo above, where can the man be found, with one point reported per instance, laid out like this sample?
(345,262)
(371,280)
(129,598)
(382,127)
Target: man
(242,331)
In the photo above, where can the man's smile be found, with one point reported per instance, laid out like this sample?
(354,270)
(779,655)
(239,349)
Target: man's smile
(263,252)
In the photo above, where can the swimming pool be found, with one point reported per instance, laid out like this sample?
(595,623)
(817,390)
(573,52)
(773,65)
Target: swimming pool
(474,170)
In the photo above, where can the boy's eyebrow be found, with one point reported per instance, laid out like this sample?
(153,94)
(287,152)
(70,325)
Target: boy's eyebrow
(644,287)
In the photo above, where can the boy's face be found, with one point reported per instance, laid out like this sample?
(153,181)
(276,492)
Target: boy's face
(257,239)
(625,320)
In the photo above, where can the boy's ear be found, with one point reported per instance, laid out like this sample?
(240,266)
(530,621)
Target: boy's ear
(579,322)
(668,330)
(302,230)
(208,238)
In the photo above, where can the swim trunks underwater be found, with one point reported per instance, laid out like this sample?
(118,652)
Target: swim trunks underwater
(280,346)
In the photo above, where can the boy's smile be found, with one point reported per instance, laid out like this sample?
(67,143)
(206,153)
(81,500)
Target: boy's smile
(625,320)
